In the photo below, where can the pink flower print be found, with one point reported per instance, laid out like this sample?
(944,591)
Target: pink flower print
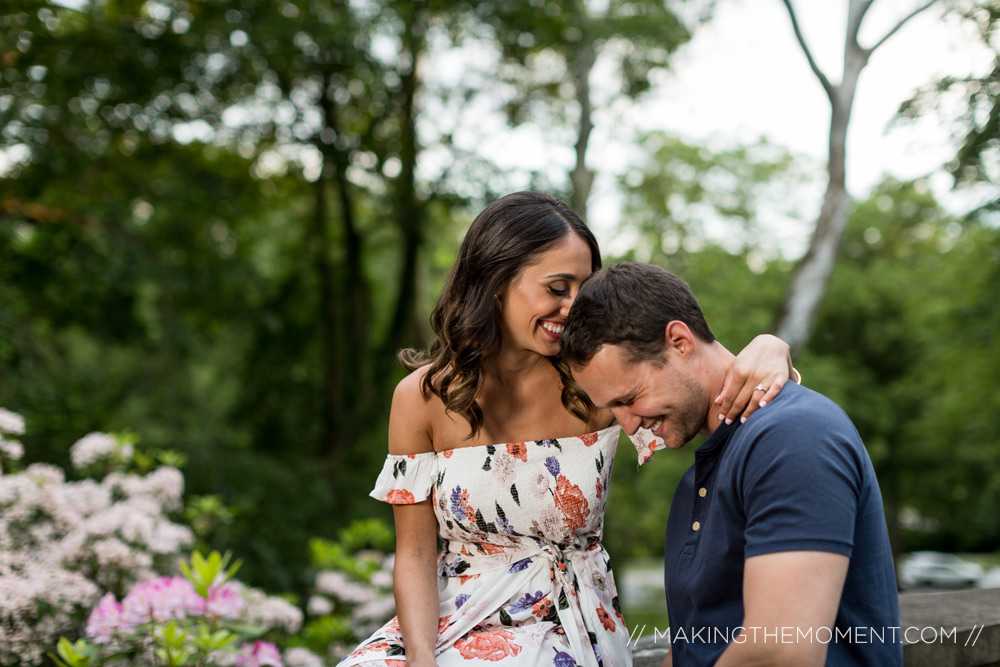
(572,503)
(259,655)
(605,618)
(589,439)
(493,645)
(460,506)
(542,608)
(504,469)
(518,450)
(400,497)
(368,648)
(443,622)
(106,620)
(538,482)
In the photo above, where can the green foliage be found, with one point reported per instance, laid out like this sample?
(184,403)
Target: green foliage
(637,36)
(346,553)
(319,633)
(207,515)
(204,573)
(977,120)
(681,198)
(73,654)
(906,343)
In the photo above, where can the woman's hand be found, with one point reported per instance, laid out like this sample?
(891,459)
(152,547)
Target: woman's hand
(757,375)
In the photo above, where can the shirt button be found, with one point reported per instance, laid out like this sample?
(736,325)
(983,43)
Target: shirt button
(696,525)
(703,492)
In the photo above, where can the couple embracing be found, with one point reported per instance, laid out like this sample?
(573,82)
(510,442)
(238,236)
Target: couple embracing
(501,444)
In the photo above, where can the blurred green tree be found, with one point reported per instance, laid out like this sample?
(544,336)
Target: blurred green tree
(549,52)
(978,120)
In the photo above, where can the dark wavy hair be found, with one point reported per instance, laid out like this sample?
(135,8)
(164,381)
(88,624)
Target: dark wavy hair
(505,238)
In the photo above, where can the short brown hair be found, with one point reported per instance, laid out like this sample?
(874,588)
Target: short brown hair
(629,305)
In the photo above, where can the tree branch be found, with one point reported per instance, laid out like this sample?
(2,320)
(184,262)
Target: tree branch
(854,27)
(899,25)
(813,65)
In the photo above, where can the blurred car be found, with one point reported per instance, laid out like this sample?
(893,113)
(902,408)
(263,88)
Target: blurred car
(933,568)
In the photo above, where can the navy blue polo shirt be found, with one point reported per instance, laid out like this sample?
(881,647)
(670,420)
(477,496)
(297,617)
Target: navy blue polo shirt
(795,476)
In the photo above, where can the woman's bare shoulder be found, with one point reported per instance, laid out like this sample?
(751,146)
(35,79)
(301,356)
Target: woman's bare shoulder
(412,415)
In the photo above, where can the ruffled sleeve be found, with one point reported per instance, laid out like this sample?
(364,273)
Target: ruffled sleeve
(406,479)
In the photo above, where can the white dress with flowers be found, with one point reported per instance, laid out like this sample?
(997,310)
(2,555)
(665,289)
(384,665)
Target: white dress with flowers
(523,578)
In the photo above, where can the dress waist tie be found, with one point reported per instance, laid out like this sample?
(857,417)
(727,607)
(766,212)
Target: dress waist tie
(564,566)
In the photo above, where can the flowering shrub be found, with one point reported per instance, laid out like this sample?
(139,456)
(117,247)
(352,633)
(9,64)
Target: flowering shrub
(62,543)
(199,618)
(66,546)
(353,591)
(98,556)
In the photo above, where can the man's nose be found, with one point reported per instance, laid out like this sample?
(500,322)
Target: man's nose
(629,422)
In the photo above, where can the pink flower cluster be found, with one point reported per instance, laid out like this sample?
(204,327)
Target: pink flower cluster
(159,600)
(259,654)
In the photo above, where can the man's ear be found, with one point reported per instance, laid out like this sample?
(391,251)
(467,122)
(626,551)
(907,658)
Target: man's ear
(679,339)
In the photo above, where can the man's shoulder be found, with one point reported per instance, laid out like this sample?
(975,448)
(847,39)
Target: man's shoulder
(799,407)
(803,422)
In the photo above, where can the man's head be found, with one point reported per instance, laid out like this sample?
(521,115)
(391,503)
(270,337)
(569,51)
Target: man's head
(631,340)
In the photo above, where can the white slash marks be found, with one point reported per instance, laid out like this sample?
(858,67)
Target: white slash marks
(977,633)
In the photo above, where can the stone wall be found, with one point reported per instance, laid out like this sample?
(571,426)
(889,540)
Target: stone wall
(947,629)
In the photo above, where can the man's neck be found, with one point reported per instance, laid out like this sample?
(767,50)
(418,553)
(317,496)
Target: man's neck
(714,364)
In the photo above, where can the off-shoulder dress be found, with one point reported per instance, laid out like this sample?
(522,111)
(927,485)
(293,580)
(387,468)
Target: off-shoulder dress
(523,577)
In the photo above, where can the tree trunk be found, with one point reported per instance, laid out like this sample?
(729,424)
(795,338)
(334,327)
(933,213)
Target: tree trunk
(403,330)
(353,350)
(812,274)
(797,316)
(330,401)
(581,177)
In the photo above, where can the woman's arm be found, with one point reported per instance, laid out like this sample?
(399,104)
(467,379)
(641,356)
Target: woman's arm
(415,581)
(765,362)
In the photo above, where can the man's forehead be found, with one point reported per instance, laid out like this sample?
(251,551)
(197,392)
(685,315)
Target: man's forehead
(609,373)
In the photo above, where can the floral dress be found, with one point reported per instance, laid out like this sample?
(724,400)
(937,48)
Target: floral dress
(523,577)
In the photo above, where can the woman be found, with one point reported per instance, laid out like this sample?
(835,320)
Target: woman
(521,576)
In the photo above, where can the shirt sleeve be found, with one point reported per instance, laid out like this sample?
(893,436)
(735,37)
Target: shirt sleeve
(801,489)
(406,479)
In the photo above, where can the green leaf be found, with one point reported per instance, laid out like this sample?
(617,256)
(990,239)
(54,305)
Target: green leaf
(76,654)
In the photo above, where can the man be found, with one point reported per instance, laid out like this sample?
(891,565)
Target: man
(777,551)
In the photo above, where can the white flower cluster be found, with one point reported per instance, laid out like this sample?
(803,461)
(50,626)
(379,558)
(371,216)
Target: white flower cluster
(268,611)
(11,423)
(62,544)
(95,447)
(371,602)
(302,657)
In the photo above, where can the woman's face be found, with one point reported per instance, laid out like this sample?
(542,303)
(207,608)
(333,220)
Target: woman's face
(533,308)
